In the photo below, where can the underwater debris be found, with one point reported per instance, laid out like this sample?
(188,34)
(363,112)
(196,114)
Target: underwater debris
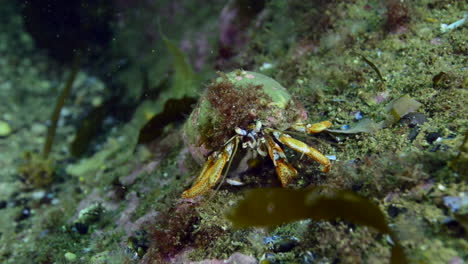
(358,115)
(271,207)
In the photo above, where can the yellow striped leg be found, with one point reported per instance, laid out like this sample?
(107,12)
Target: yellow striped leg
(302,147)
(312,128)
(212,170)
(284,170)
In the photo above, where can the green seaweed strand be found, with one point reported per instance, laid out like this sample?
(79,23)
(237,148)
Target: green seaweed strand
(58,107)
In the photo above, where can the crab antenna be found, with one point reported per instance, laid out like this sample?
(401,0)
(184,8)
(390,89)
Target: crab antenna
(236,138)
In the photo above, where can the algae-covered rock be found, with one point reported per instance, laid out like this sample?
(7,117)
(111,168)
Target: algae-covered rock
(70,256)
(91,214)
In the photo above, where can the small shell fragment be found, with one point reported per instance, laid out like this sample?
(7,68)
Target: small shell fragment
(234,182)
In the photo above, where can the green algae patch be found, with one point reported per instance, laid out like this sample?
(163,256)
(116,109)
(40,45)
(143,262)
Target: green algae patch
(36,171)
(5,129)
(184,77)
(403,106)
(272,207)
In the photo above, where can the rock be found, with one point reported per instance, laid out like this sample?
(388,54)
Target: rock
(285,245)
(24,214)
(414,119)
(393,211)
(433,136)
(414,132)
(80,228)
(91,214)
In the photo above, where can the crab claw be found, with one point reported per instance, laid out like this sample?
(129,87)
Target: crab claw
(302,147)
(284,170)
(212,170)
(312,128)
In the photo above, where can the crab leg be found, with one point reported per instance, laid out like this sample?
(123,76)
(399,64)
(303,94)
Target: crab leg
(284,170)
(312,128)
(212,170)
(302,147)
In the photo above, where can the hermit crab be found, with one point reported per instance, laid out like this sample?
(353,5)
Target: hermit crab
(251,110)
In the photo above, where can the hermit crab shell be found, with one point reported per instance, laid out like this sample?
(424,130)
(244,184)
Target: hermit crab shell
(238,99)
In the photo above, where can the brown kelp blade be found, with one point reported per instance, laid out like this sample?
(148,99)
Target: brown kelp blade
(274,206)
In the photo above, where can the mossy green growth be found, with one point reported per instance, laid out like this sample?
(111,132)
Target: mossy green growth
(36,171)
(460,163)
(272,207)
(278,94)
(403,106)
